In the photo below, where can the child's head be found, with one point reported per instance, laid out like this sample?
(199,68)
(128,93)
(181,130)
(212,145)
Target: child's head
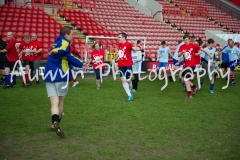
(163,44)
(211,43)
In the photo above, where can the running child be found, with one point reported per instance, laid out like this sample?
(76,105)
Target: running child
(27,49)
(97,58)
(125,62)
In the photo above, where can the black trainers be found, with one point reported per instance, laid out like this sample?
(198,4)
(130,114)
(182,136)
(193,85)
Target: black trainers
(29,84)
(38,82)
(58,130)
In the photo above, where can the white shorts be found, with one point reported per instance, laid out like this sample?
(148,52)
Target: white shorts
(57,89)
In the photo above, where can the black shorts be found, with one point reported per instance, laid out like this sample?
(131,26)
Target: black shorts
(188,72)
(10,65)
(31,64)
(2,65)
(224,65)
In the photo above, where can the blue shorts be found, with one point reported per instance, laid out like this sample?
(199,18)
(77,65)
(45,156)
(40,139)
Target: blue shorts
(162,64)
(233,64)
(176,61)
(123,71)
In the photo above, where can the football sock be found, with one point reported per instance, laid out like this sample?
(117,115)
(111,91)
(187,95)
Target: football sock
(55,117)
(74,80)
(211,86)
(232,76)
(7,79)
(130,85)
(14,79)
(126,87)
(26,78)
(189,94)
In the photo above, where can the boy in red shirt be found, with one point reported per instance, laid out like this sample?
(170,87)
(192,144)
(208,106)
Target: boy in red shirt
(12,57)
(38,55)
(189,52)
(125,62)
(27,49)
(97,58)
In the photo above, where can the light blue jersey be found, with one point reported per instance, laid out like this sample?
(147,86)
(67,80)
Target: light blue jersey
(233,53)
(135,56)
(175,56)
(211,51)
(163,52)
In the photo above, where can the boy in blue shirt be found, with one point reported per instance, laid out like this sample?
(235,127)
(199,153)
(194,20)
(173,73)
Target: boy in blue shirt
(137,60)
(234,56)
(212,51)
(163,53)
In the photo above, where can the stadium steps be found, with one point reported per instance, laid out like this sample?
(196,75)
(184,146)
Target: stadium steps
(65,23)
(70,5)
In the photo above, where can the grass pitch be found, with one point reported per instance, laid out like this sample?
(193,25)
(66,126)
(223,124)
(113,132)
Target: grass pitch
(100,124)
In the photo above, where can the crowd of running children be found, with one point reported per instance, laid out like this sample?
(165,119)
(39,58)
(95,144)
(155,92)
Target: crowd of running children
(189,54)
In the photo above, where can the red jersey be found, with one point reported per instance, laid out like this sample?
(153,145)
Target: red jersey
(28,56)
(190,54)
(124,54)
(198,59)
(95,54)
(12,55)
(38,45)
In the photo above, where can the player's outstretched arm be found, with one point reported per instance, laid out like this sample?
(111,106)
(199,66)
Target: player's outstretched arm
(210,56)
(74,61)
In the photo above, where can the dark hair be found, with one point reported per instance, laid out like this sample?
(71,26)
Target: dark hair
(138,41)
(200,42)
(163,42)
(65,30)
(94,44)
(26,37)
(179,41)
(123,34)
(186,36)
(230,40)
(210,41)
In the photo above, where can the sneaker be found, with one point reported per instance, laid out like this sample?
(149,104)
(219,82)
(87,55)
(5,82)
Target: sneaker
(195,90)
(129,98)
(98,87)
(188,98)
(7,86)
(38,82)
(133,90)
(28,83)
(75,84)
(131,94)
(58,130)
(233,83)
(211,91)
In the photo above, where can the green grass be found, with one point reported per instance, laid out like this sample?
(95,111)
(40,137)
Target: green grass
(100,124)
